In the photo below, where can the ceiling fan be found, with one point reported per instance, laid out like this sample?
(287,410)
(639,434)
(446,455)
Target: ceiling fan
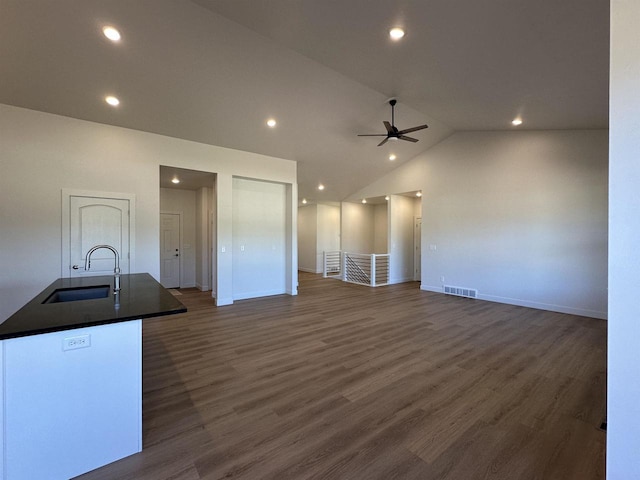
(392,132)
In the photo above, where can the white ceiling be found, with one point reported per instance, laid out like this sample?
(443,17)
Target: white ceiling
(213,71)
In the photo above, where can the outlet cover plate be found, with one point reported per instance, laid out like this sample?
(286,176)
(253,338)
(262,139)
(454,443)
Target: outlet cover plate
(73,343)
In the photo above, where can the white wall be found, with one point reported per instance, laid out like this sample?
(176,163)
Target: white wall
(203,238)
(201,279)
(521,216)
(381,228)
(401,212)
(291,238)
(318,231)
(307,238)
(328,232)
(174,200)
(223,267)
(357,228)
(259,238)
(213,239)
(623,418)
(42,153)
(417,207)
(364,228)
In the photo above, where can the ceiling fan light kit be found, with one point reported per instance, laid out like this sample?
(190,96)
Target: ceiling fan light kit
(392,131)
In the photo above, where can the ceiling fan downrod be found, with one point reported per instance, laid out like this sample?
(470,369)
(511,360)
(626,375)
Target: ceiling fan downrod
(392,102)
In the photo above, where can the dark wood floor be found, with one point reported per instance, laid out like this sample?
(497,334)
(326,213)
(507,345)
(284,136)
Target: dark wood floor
(350,382)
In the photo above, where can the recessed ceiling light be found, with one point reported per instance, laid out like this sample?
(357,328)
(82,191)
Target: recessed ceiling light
(111,33)
(364,200)
(418,194)
(387,198)
(304,201)
(396,33)
(271,123)
(392,157)
(321,187)
(516,121)
(111,100)
(175,180)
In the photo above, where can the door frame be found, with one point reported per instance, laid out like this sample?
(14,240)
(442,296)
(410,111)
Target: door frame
(180,240)
(417,249)
(67,193)
(212,253)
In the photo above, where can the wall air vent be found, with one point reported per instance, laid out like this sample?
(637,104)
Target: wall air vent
(460,292)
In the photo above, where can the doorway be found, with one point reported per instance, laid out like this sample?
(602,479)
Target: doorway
(190,193)
(170,249)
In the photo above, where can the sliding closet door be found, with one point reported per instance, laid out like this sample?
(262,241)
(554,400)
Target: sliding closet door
(259,238)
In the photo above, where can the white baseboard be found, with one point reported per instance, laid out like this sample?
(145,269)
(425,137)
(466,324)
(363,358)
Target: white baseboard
(530,304)
(263,293)
(309,270)
(202,288)
(188,285)
(400,280)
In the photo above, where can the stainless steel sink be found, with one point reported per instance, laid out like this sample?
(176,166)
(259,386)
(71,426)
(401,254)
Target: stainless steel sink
(80,293)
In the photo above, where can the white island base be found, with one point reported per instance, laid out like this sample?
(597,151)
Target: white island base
(71,400)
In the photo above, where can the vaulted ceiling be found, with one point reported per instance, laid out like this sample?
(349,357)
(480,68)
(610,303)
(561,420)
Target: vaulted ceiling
(213,71)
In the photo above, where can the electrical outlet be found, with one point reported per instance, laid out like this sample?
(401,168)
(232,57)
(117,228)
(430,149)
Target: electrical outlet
(72,343)
(442,278)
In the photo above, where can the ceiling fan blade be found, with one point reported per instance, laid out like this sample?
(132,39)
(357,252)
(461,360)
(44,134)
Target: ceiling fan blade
(373,135)
(408,139)
(388,126)
(383,142)
(409,130)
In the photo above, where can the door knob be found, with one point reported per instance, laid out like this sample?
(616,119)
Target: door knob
(75,267)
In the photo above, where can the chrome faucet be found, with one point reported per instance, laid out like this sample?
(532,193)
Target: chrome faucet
(116,269)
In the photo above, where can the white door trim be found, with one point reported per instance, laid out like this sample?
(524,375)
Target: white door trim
(212,253)
(180,240)
(67,193)
(417,249)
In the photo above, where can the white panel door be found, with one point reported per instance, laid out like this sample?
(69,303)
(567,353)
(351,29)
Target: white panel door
(98,221)
(170,250)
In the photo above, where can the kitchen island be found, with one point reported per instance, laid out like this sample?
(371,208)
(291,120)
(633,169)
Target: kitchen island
(72,375)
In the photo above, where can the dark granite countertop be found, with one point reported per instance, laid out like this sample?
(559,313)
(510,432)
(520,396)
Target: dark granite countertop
(141,296)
